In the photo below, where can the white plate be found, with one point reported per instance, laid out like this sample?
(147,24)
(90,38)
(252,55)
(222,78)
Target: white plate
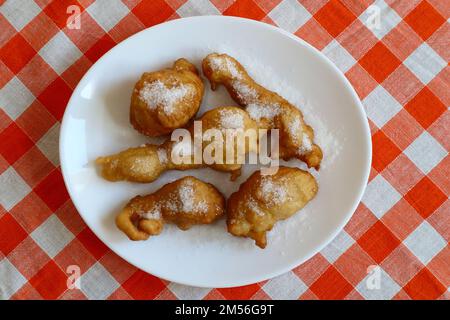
(96,123)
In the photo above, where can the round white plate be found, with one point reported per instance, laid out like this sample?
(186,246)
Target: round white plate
(96,123)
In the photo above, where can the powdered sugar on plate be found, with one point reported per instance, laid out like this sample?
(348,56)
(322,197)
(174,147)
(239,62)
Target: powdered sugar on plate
(162,155)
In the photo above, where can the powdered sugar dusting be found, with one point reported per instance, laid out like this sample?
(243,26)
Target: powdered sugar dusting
(264,74)
(200,239)
(202,206)
(327,141)
(251,203)
(183,148)
(306,144)
(273,192)
(186,196)
(156,94)
(183,199)
(230,119)
(219,63)
(141,165)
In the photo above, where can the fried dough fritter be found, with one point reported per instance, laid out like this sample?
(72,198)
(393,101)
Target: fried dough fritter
(184,202)
(147,162)
(167,99)
(262,200)
(267,108)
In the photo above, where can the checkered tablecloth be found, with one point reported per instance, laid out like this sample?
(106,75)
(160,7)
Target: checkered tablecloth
(394,52)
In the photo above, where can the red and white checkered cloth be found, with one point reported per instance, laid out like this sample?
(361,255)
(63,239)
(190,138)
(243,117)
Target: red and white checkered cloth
(399,69)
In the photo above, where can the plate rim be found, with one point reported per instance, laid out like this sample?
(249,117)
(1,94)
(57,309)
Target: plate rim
(288,267)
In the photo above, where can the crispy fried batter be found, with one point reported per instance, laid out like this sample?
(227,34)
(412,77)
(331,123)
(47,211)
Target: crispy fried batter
(146,163)
(167,99)
(184,202)
(262,200)
(267,108)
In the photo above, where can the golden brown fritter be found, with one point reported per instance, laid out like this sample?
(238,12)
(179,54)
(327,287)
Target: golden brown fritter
(262,200)
(184,202)
(140,164)
(267,108)
(147,162)
(167,99)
